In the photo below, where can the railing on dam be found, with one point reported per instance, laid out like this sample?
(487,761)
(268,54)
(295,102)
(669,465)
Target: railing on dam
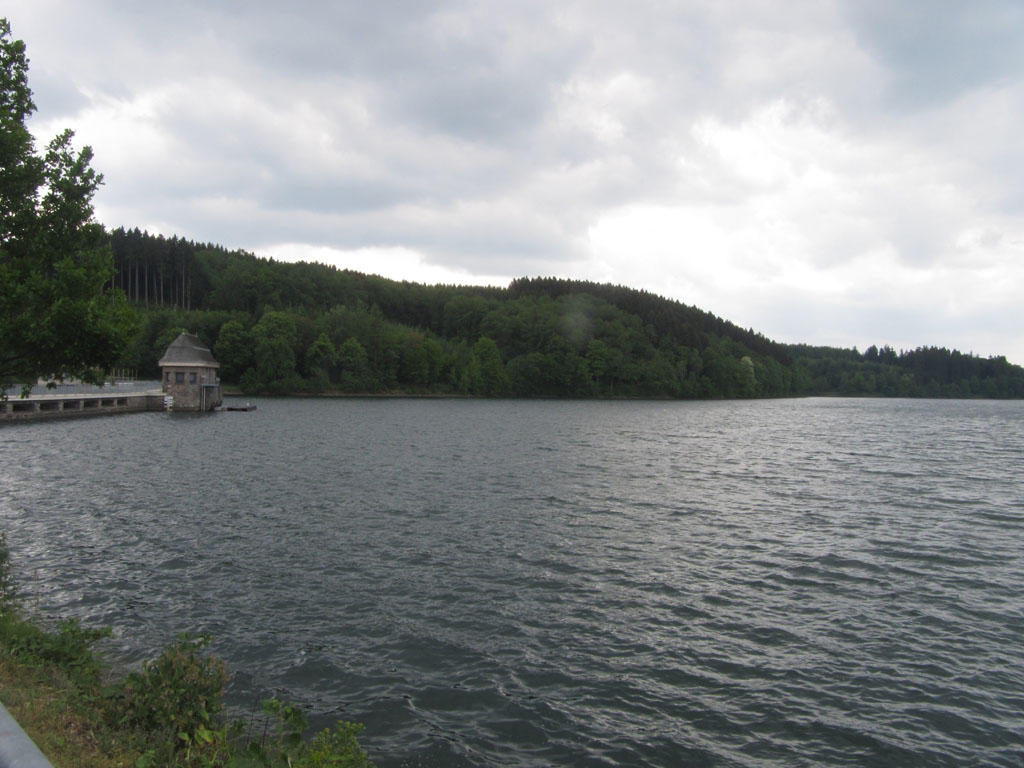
(117,387)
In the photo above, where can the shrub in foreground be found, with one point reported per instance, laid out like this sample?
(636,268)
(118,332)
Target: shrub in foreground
(171,712)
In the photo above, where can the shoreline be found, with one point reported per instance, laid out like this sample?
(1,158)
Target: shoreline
(603,398)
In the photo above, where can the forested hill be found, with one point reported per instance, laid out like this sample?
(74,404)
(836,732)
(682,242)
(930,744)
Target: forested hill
(281,327)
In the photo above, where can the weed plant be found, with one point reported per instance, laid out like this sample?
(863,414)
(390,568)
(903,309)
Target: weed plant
(169,713)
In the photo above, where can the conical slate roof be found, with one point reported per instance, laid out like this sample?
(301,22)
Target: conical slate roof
(187,349)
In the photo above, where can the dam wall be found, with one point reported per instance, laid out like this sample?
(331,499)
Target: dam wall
(38,407)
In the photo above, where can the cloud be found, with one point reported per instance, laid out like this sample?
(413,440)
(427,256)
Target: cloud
(820,222)
(833,169)
(935,54)
(397,263)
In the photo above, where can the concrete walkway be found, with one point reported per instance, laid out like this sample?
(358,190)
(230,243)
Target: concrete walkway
(17,750)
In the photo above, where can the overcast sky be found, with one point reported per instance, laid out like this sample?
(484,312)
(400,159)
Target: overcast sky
(841,173)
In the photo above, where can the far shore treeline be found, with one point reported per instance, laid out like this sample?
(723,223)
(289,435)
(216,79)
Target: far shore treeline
(289,328)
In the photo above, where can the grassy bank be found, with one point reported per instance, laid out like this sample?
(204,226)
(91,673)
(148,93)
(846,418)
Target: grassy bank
(169,713)
(56,718)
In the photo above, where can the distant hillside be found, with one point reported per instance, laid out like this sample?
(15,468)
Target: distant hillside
(281,327)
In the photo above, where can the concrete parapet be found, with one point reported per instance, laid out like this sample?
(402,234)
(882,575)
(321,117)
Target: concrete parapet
(17,750)
(56,406)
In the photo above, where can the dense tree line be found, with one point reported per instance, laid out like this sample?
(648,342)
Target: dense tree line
(281,327)
(921,372)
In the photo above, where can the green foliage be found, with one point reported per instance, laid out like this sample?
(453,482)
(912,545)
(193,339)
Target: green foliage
(69,649)
(276,324)
(57,319)
(321,353)
(274,340)
(462,316)
(336,749)
(597,361)
(355,366)
(321,358)
(233,350)
(173,705)
(487,372)
(921,372)
(180,691)
(288,748)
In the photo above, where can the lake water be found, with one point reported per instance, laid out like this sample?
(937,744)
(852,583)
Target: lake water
(818,582)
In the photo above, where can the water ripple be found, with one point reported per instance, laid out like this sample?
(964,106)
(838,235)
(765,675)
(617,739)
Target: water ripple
(787,583)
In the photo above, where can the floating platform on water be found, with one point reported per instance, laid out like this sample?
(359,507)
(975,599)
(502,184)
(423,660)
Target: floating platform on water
(246,407)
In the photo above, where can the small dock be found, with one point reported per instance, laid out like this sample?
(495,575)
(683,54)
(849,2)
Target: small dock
(246,407)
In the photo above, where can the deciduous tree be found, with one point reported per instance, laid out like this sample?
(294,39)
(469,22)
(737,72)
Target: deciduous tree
(57,319)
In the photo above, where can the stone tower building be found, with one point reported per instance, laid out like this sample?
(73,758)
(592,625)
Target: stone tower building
(189,375)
